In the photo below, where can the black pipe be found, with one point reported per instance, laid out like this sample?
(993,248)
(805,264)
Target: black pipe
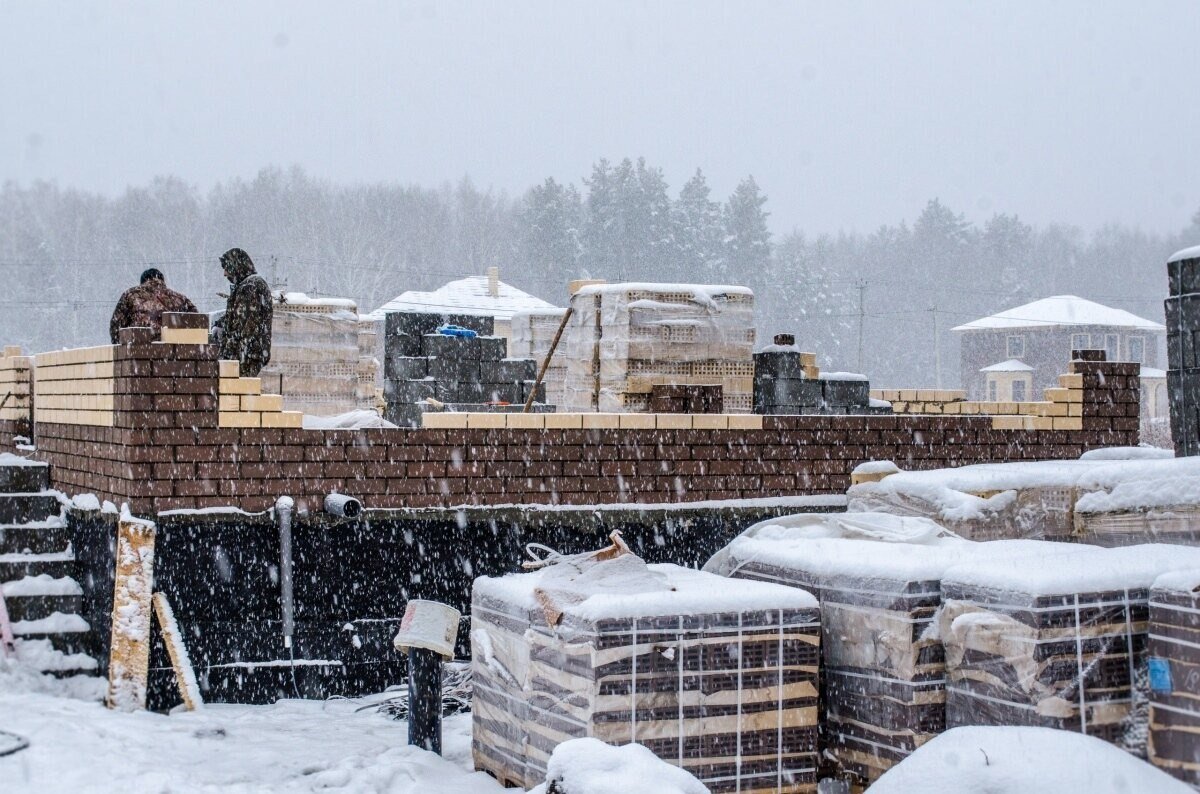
(425,699)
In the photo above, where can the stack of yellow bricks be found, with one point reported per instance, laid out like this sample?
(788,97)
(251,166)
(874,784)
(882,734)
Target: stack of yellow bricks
(1061,410)
(591,421)
(15,384)
(241,402)
(75,387)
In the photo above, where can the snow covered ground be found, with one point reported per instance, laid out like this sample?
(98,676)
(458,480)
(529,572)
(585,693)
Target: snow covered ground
(294,745)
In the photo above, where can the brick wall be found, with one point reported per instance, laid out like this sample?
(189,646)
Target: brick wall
(166,449)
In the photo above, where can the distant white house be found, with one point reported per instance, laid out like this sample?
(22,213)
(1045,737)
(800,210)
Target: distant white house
(1026,348)
(480,296)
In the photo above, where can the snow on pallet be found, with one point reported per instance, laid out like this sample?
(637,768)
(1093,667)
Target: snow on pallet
(877,577)
(716,677)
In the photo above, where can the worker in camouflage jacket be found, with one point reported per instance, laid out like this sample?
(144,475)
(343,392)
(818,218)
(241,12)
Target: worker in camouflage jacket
(244,333)
(143,306)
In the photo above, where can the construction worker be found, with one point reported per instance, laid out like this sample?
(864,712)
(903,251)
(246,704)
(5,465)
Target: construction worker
(244,333)
(143,305)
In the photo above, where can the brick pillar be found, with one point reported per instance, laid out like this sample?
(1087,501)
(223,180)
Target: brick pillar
(1111,395)
(1183,350)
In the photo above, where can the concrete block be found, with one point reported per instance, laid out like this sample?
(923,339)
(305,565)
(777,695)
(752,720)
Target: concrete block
(238,419)
(485,420)
(185,336)
(636,421)
(676,421)
(229,368)
(778,365)
(539,394)
(240,386)
(451,347)
(405,367)
(509,370)
(283,419)
(454,370)
(493,348)
(601,421)
(408,391)
(526,421)
(745,422)
(564,421)
(445,419)
(262,402)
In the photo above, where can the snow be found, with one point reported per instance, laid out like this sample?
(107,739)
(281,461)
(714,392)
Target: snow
(1151,372)
(625,587)
(949,490)
(1060,310)
(9,459)
(1127,453)
(781,349)
(1179,581)
(41,585)
(208,511)
(50,556)
(291,746)
(589,766)
(303,299)
(55,623)
(705,294)
(1023,760)
(1143,495)
(465,296)
(817,500)
(351,420)
(843,376)
(1078,570)
(281,663)
(1012,365)
(865,546)
(876,467)
(85,501)
(1186,253)
(874,403)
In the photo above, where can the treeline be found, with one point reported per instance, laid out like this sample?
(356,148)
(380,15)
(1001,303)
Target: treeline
(65,255)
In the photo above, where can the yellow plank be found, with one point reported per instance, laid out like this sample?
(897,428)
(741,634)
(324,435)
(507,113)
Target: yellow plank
(129,659)
(185,676)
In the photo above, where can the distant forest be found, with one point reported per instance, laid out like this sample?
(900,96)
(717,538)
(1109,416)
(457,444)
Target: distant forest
(65,255)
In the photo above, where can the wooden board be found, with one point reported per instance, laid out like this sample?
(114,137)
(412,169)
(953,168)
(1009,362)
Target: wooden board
(129,658)
(185,676)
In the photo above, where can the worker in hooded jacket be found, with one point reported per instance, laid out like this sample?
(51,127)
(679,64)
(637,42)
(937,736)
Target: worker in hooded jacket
(244,333)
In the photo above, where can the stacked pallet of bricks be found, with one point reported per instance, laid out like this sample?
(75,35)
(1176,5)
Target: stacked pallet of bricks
(928,401)
(728,693)
(532,334)
(787,381)
(425,369)
(624,339)
(16,390)
(1183,349)
(316,362)
(1057,644)
(883,670)
(1174,672)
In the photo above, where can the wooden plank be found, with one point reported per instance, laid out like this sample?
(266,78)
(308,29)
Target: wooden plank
(129,659)
(185,676)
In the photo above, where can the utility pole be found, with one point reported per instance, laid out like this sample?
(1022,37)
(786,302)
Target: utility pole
(861,286)
(937,348)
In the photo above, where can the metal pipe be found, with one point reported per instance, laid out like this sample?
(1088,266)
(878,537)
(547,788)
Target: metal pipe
(425,699)
(284,507)
(341,505)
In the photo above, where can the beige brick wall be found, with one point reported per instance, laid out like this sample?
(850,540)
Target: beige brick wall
(75,387)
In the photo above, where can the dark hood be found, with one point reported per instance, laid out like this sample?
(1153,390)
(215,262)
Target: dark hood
(238,263)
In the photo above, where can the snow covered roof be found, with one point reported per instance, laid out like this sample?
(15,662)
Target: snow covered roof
(1012,365)
(1060,310)
(1151,372)
(465,296)
(1187,253)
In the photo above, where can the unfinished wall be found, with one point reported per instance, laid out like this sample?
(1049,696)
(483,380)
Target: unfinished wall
(16,390)
(75,387)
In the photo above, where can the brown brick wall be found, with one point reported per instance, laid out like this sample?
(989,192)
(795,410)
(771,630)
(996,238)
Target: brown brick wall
(166,451)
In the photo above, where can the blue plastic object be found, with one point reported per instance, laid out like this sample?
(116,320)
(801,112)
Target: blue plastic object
(1160,674)
(457,330)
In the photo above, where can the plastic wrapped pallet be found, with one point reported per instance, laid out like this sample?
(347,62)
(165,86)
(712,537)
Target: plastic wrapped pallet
(1174,673)
(532,334)
(718,679)
(315,361)
(624,339)
(1161,509)
(1057,644)
(877,577)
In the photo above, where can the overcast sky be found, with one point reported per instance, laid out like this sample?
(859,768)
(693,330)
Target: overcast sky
(849,115)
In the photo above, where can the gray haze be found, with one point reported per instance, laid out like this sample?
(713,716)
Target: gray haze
(849,115)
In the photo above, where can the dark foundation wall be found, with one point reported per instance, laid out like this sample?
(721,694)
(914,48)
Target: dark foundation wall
(352,580)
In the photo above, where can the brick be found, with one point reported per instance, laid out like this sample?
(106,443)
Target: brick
(444,419)
(523,421)
(238,419)
(185,336)
(240,386)
(745,422)
(262,402)
(293,419)
(1067,423)
(228,368)
(636,421)
(567,421)
(675,421)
